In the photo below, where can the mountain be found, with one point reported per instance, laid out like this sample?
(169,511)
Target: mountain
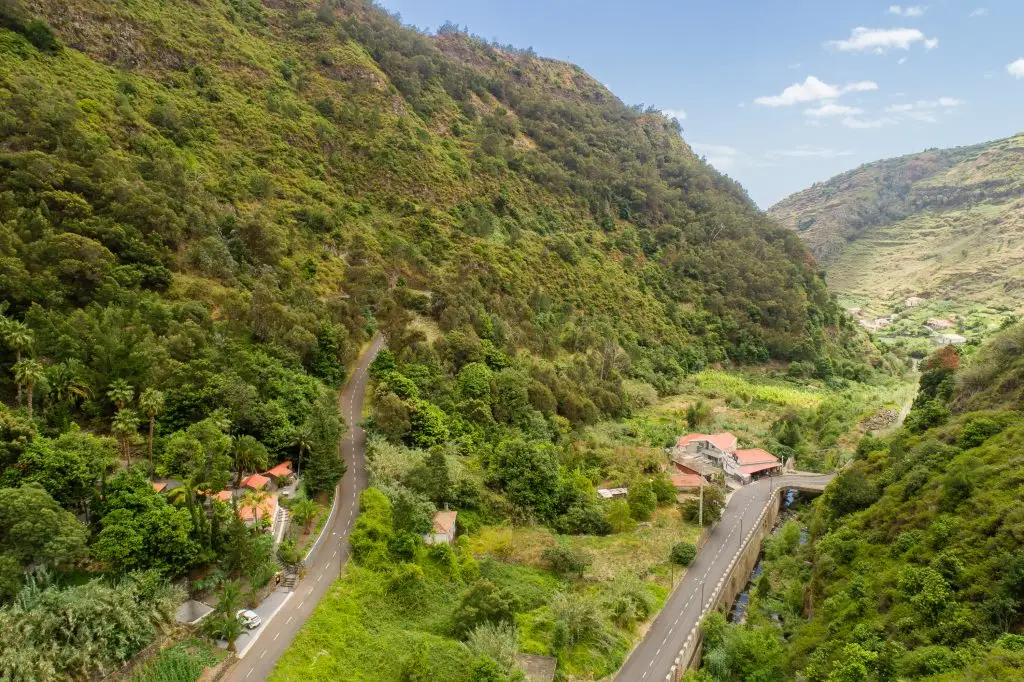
(942,225)
(209,207)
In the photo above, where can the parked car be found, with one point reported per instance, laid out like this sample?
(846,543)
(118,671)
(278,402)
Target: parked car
(250,619)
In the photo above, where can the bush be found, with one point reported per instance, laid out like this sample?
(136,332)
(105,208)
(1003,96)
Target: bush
(683,553)
(565,560)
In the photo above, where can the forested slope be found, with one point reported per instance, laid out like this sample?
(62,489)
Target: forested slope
(914,565)
(208,207)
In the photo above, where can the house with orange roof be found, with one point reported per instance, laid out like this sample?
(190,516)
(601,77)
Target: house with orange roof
(444,528)
(265,512)
(755,463)
(720,451)
(282,470)
(256,482)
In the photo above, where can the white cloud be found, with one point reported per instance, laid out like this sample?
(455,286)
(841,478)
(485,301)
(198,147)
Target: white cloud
(867,123)
(950,102)
(829,109)
(980,12)
(902,61)
(881,40)
(720,156)
(677,114)
(1016,69)
(811,152)
(812,90)
(909,11)
(924,110)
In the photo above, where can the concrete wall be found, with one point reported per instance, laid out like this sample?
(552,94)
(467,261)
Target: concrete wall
(732,583)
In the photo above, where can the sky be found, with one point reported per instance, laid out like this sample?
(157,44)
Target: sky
(780,94)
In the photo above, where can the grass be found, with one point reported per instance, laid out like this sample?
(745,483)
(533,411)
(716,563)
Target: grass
(715,384)
(182,662)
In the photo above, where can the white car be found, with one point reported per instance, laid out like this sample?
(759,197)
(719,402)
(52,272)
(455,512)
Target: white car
(250,619)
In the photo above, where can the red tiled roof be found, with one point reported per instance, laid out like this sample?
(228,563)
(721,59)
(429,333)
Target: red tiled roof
(224,496)
(159,487)
(682,468)
(755,468)
(755,456)
(282,469)
(256,482)
(686,480)
(722,441)
(444,522)
(262,511)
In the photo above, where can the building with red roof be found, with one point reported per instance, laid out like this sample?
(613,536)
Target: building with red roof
(224,496)
(719,450)
(256,482)
(683,481)
(265,511)
(282,469)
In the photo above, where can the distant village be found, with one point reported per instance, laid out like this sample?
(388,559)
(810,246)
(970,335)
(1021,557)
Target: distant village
(941,328)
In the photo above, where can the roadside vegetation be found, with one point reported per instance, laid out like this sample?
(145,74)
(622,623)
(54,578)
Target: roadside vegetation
(912,563)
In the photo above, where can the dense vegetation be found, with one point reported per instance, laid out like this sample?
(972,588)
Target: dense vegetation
(208,208)
(913,564)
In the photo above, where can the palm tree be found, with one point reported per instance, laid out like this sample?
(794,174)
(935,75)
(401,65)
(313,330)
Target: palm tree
(304,511)
(224,622)
(19,338)
(302,438)
(125,425)
(28,373)
(152,403)
(65,382)
(250,455)
(254,499)
(121,393)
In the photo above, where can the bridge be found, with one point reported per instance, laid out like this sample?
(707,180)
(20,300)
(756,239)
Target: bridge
(714,579)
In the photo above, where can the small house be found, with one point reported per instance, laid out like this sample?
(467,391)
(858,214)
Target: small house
(282,470)
(256,482)
(444,528)
(938,324)
(685,481)
(224,496)
(951,339)
(755,463)
(612,493)
(266,512)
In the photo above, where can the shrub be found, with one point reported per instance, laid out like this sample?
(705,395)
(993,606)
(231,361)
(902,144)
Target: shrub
(683,553)
(565,560)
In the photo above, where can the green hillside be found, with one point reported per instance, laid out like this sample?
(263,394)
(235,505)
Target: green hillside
(209,207)
(943,225)
(913,565)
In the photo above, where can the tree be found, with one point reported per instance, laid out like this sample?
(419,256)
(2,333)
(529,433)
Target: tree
(432,478)
(28,373)
(620,518)
(642,500)
(527,472)
(36,532)
(474,382)
(304,511)
(249,455)
(65,382)
(223,623)
(714,503)
(850,491)
(565,560)
(683,553)
(391,417)
(428,424)
(482,603)
(255,499)
(125,426)
(19,338)
(300,438)
(68,467)
(698,415)
(120,393)
(325,467)
(151,402)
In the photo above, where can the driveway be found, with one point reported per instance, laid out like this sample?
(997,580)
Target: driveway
(284,613)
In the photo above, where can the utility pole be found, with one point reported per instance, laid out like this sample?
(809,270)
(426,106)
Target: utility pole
(700,505)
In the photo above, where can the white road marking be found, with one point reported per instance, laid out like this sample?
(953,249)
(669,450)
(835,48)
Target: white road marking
(301,603)
(276,636)
(262,654)
(248,673)
(288,621)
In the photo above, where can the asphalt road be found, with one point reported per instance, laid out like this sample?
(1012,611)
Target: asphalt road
(273,638)
(653,657)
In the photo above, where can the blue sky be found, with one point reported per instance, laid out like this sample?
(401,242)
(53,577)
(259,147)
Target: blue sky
(866,80)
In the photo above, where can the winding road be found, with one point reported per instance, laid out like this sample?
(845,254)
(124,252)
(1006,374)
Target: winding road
(259,650)
(652,659)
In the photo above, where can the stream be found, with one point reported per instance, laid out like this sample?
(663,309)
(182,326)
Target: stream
(738,613)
